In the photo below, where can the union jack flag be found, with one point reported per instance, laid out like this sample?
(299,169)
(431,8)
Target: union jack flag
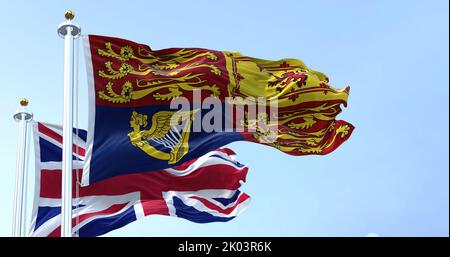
(201,190)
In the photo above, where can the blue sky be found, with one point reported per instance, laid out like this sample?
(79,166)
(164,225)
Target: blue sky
(391,177)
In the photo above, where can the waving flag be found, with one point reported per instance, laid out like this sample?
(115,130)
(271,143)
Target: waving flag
(136,122)
(201,190)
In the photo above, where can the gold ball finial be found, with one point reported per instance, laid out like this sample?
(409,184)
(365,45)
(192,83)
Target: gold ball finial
(24,102)
(69,15)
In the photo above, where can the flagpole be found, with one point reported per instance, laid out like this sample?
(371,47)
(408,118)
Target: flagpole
(69,32)
(22,116)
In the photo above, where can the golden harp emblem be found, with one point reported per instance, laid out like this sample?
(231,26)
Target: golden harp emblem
(170,129)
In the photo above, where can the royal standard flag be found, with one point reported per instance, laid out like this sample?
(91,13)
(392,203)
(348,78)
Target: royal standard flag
(153,109)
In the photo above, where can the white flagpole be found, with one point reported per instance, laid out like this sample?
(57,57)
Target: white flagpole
(69,32)
(23,117)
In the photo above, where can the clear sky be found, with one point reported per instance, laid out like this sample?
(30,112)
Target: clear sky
(390,178)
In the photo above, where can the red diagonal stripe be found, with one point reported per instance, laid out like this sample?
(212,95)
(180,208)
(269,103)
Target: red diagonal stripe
(228,210)
(112,209)
(52,134)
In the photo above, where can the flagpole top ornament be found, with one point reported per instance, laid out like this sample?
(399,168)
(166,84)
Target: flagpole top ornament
(23,114)
(68,27)
(69,15)
(24,102)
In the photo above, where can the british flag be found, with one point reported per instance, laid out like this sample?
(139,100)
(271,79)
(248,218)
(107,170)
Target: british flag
(201,190)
